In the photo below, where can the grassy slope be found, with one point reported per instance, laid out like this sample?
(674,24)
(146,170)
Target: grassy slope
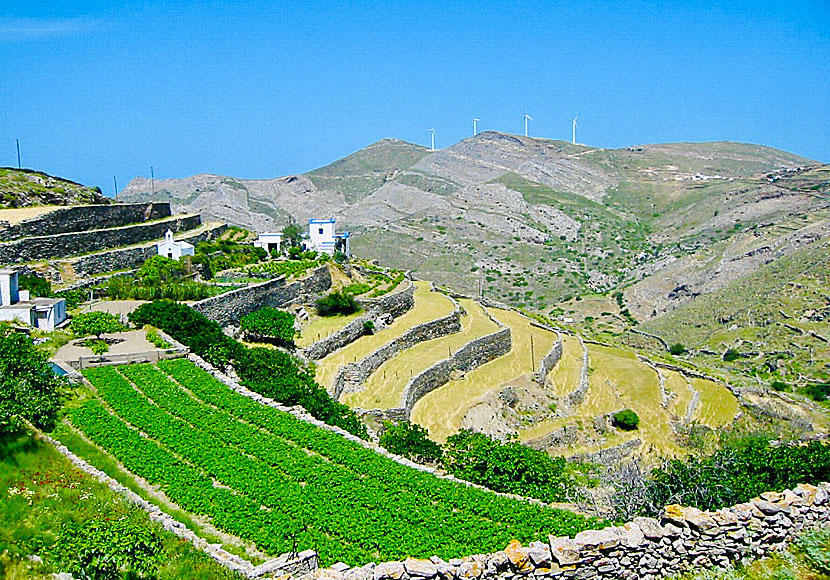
(22,188)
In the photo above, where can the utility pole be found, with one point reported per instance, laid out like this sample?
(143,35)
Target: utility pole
(153,179)
(115,183)
(532,355)
(17,141)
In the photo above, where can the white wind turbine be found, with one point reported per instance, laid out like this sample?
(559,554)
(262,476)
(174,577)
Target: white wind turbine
(574,127)
(527,118)
(475,126)
(432,133)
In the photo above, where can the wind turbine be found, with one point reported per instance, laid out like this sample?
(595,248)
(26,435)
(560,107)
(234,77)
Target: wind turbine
(527,118)
(432,132)
(574,127)
(475,126)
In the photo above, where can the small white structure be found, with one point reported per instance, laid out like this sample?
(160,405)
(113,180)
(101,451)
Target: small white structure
(172,249)
(269,241)
(15,304)
(322,237)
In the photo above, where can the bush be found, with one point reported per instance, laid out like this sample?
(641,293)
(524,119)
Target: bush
(815,546)
(780,386)
(271,323)
(36,285)
(627,420)
(95,324)
(410,440)
(336,303)
(368,327)
(677,349)
(28,387)
(731,355)
(818,391)
(97,346)
(507,467)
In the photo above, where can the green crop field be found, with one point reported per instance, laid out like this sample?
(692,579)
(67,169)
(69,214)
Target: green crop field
(428,306)
(385,386)
(442,410)
(267,477)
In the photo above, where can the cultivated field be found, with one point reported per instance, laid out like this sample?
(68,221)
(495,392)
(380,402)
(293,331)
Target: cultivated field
(386,385)
(442,410)
(270,478)
(428,306)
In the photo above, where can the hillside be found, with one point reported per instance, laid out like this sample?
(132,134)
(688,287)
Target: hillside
(531,221)
(20,188)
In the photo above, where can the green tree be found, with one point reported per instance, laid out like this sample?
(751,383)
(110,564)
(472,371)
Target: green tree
(627,420)
(160,269)
(292,235)
(28,387)
(336,303)
(410,440)
(36,285)
(95,324)
(677,349)
(270,322)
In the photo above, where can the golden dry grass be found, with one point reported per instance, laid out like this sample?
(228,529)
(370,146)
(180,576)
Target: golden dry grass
(717,407)
(386,385)
(564,377)
(677,384)
(428,306)
(442,410)
(320,327)
(15,216)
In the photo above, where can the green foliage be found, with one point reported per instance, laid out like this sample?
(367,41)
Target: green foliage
(410,440)
(28,387)
(224,254)
(368,326)
(109,550)
(815,546)
(340,257)
(154,338)
(127,288)
(818,391)
(97,346)
(507,467)
(356,289)
(292,235)
(677,349)
(336,303)
(36,285)
(627,420)
(731,355)
(95,324)
(159,269)
(297,253)
(74,298)
(287,268)
(740,470)
(779,386)
(271,323)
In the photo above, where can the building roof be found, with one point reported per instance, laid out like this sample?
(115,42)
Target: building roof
(316,221)
(8,271)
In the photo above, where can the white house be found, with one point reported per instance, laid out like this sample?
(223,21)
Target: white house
(15,304)
(322,237)
(269,241)
(172,249)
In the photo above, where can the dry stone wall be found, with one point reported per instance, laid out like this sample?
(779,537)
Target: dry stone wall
(393,305)
(549,361)
(351,377)
(682,539)
(74,243)
(80,218)
(228,308)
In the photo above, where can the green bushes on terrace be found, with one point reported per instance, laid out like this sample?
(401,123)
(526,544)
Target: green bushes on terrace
(288,268)
(273,373)
(336,303)
(270,323)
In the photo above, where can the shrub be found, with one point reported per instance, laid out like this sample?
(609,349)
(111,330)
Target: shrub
(28,387)
(815,546)
(780,386)
(95,324)
(410,440)
(627,420)
(336,303)
(36,285)
(97,346)
(368,327)
(731,355)
(677,349)
(271,323)
(818,391)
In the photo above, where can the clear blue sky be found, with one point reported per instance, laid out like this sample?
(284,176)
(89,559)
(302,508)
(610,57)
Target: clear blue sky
(261,89)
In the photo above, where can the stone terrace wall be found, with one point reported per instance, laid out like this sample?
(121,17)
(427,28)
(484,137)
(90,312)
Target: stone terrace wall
(85,217)
(549,361)
(472,355)
(393,304)
(128,258)
(228,308)
(74,243)
(351,377)
(645,549)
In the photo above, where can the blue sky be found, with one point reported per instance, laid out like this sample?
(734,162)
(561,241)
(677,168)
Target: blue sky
(261,89)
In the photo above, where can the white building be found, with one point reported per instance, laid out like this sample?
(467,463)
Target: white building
(15,304)
(173,249)
(322,237)
(269,241)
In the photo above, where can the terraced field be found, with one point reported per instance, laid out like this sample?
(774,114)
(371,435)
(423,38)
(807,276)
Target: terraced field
(272,479)
(442,410)
(428,306)
(386,385)
(320,327)
(565,376)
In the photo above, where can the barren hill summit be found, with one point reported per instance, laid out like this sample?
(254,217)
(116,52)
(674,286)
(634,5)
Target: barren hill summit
(534,221)
(21,188)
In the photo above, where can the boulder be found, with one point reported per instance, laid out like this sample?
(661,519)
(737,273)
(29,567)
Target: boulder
(564,550)
(420,568)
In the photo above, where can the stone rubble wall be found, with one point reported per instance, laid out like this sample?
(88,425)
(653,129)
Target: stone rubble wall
(228,308)
(129,258)
(75,243)
(301,564)
(351,377)
(549,361)
(393,304)
(472,355)
(577,396)
(80,218)
(683,539)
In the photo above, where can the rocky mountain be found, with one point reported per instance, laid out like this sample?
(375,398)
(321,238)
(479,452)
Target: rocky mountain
(533,222)
(26,188)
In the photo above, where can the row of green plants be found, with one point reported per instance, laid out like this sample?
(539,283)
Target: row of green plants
(508,467)
(318,489)
(270,372)
(270,325)
(288,268)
